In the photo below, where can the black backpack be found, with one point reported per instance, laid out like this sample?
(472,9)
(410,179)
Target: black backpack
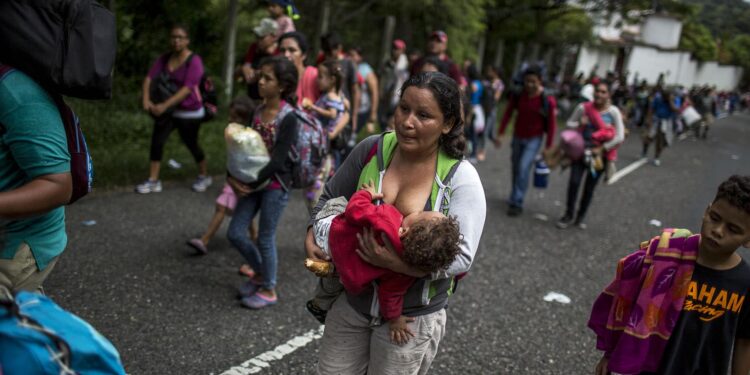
(67,46)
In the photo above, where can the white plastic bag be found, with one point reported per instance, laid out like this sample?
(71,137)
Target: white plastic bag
(246,152)
(690,116)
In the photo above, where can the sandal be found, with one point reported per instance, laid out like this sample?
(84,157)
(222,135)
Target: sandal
(245,270)
(317,312)
(248,288)
(259,301)
(197,244)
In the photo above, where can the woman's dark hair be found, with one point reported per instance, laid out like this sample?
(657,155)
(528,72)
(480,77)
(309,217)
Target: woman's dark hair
(336,72)
(736,190)
(448,97)
(287,75)
(441,66)
(299,37)
(182,27)
(472,72)
(243,107)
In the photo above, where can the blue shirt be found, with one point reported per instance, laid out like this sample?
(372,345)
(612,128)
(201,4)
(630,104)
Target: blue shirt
(476,96)
(661,107)
(32,144)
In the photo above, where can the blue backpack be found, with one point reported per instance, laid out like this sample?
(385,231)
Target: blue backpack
(38,337)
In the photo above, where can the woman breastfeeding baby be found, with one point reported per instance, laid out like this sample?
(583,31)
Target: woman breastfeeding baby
(432,206)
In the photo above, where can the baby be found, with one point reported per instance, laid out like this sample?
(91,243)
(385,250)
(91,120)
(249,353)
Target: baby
(426,240)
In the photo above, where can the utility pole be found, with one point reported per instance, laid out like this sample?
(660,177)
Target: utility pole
(229,47)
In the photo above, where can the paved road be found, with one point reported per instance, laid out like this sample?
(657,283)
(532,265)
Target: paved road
(172,312)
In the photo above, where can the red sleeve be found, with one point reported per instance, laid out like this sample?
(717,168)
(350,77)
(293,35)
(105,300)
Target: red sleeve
(360,79)
(360,210)
(455,73)
(385,218)
(512,104)
(250,54)
(391,291)
(551,131)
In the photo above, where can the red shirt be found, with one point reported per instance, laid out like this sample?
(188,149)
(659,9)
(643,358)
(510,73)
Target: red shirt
(530,122)
(253,56)
(357,275)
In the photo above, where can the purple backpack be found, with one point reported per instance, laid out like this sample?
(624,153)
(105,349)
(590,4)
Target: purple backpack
(81,167)
(309,150)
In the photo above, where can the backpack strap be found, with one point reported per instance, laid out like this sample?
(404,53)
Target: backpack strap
(379,152)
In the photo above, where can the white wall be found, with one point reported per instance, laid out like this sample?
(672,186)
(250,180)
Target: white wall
(680,69)
(589,57)
(661,31)
(725,77)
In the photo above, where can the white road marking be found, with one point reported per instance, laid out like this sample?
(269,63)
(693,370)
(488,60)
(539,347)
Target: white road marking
(625,171)
(262,361)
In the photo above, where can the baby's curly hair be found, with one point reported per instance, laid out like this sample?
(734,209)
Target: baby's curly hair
(736,190)
(432,245)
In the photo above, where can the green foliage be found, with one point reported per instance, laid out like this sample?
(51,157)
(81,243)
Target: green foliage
(697,39)
(724,18)
(571,27)
(739,48)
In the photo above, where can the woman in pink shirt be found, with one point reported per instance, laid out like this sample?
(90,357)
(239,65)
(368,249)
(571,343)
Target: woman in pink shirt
(293,46)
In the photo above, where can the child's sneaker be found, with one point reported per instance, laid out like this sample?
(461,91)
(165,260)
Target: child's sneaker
(149,186)
(202,183)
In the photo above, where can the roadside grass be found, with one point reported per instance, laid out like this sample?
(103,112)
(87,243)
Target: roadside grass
(118,134)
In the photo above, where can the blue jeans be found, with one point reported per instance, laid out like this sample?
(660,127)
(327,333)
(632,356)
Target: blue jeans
(522,157)
(262,258)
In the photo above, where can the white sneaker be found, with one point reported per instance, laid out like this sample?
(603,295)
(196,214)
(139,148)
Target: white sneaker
(202,183)
(657,162)
(149,186)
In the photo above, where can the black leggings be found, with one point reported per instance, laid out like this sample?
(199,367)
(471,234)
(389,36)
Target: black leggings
(578,171)
(188,129)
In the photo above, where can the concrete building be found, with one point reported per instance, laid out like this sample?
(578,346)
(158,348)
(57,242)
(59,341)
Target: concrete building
(651,50)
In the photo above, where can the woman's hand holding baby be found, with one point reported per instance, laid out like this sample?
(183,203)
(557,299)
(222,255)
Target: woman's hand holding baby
(384,256)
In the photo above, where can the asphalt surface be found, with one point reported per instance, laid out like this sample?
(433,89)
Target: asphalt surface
(170,311)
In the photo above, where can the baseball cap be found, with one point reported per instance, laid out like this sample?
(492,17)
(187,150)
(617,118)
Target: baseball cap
(440,35)
(266,27)
(399,44)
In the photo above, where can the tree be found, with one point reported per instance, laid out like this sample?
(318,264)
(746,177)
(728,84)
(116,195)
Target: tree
(697,39)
